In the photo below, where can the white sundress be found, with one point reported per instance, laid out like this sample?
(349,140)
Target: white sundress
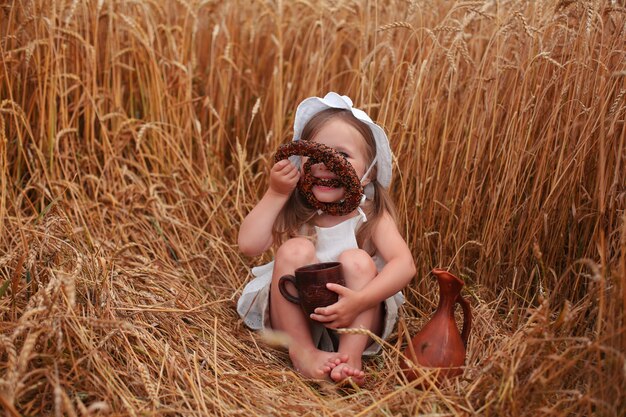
(253,305)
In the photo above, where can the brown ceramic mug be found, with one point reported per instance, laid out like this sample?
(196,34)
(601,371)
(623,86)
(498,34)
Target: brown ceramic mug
(310,281)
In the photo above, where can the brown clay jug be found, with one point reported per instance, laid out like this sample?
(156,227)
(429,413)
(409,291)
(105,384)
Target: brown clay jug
(439,344)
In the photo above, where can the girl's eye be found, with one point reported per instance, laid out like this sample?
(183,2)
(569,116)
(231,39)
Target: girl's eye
(345,155)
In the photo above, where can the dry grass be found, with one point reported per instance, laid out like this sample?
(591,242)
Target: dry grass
(134,137)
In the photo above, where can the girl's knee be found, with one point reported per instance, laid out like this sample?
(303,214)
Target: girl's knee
(358,264)
(297,250)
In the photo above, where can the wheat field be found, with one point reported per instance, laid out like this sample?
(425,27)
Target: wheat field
(136,135)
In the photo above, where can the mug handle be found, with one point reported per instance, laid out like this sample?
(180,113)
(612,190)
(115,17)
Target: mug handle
(467,319)
(283,290)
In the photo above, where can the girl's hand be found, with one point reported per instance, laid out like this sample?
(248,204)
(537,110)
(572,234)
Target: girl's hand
(343,313)
(284,177)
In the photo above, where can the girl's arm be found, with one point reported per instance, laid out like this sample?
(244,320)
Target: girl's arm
(396,274)
(255,233)
(399,268)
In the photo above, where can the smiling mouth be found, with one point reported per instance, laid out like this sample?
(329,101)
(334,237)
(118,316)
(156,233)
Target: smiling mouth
(325,187)
(327,183)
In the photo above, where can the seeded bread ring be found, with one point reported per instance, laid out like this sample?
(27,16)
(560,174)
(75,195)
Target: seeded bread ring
(335,163)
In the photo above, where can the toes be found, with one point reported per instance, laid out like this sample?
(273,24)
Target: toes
(343,371)
(337,360)
(355,372)
(321,372)
(337,374)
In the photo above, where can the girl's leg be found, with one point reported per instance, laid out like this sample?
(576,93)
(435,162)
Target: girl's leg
(358,269)
(289,318)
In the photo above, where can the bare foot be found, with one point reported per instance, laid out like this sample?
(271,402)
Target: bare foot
(348,369)
(314,363)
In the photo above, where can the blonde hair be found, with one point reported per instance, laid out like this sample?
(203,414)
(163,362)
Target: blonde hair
(295,219)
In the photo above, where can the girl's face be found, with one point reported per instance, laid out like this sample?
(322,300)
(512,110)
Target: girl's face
(345,139)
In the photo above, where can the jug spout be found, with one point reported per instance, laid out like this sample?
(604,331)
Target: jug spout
(444,275)
(449,284)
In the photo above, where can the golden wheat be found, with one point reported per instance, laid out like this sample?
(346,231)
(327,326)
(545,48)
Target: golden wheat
(135,136)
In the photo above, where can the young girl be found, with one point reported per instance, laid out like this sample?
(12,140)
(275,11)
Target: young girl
(376,261)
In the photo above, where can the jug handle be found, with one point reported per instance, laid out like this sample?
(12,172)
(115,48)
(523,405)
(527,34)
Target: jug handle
(283,290)
(467,319)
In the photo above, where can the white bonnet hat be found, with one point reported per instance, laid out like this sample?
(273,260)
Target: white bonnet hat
(313,105)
